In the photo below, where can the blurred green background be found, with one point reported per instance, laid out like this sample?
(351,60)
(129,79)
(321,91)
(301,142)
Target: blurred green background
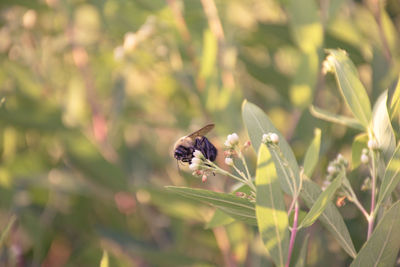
(95,93)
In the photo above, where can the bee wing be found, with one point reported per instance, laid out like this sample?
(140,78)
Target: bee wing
(202,131)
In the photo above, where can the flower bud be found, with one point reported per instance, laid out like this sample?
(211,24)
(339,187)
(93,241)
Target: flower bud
(265,138)
(331,169)
(196,161)
(198,154)
(364,158)
(204,178)
(229,161)
(194,166)
(372,144)
(232,139)
(274,138)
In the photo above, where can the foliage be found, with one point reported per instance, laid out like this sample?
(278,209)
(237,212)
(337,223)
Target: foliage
(94,95)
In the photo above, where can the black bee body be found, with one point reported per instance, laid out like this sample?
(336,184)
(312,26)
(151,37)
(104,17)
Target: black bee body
(201,143)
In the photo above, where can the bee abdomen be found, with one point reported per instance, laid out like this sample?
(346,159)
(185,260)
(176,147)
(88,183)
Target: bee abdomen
(206,147)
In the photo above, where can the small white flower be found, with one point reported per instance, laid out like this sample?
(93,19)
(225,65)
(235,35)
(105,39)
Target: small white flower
(364,158)
(229,161)
(196,161)
(325,185)
(194,166)
(198,154)
(204,178)
(130,41)
(233,139)
(372,144)
(119,53)
(331,169)
(227,144)
(328,65)
(274,138)
(265,138)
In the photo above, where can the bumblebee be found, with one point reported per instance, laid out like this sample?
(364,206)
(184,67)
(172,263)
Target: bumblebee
(186,145)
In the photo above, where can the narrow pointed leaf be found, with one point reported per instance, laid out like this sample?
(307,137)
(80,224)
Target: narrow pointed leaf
(236,207)
(382,247)
(330,218)
(312,154)
(351,87)
(391,178)
(343,120)
(322,201)
(257,124)
(271,214)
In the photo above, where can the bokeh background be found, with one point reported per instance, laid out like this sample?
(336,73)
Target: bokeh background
(95,93)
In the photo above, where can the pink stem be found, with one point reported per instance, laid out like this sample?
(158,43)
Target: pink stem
(294,232)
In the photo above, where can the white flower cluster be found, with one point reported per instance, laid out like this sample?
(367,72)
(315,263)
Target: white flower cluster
(232,140)
(196,160)
(336,165)
(270,138)
(373,144)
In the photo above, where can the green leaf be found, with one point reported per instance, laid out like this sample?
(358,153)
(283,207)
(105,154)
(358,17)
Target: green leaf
(257,124)
(360,142)
(312,154)
(219,218)
(351,87)
(382,247)
(391,177)
(382,127)
(395,102)
(328,116)
(271,214)
(302,259)
(322,201)
(236,207)
(330,218)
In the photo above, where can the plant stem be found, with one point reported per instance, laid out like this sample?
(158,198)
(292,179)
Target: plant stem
(294,232)
(371,218)
(245,165)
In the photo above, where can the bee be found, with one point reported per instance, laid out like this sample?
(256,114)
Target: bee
(186,145)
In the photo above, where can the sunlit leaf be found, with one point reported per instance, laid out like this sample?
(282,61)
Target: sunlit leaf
(382,127)
(382,247)
(350,86)
(330,218)
(257,124)
(236,207)
(104,262)
(359,143)
(271,214)
(312,154)
(328,116)
(322,201)
(391,177)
